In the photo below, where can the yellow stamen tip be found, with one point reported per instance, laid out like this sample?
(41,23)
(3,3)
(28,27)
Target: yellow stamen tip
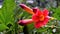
(52,18)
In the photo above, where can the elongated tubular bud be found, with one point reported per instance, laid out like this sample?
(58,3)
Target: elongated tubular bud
(26,8)
(25,22)
(36,9)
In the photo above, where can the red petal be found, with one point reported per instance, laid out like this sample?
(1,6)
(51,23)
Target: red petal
(38,24)
(45,12)
(34,18)
(41,23)
(45,21)
(39,12)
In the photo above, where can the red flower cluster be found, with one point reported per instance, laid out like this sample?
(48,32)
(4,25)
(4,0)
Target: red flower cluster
(39,17)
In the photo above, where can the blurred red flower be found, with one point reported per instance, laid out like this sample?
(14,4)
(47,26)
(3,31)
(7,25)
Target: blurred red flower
(40,18)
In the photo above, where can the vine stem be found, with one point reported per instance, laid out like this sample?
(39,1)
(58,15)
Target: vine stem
(25,30)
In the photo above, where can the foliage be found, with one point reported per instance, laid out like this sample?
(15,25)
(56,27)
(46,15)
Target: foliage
(7,14)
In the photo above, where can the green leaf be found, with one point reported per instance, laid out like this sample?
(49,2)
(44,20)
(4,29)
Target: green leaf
(56,13)
(3,27)
(42,29)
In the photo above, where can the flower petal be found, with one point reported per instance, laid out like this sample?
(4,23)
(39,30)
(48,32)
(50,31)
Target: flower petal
(25,22)
(38,24)
(45,12)
(34,18)
(39,12)
(45,21)
(26,8)
(41,23)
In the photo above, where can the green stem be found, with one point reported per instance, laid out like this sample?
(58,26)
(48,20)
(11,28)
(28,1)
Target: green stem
(25,30)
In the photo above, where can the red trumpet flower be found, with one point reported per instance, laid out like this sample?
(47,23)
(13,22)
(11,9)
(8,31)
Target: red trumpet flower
(40,17)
